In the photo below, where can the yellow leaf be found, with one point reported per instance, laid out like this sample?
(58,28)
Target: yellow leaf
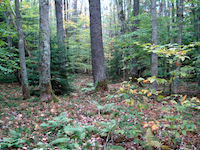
(154,127)
(149,94)
(122,89)
(145,125)
(145,91)
(184,97)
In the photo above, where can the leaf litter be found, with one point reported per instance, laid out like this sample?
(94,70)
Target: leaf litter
(27,116)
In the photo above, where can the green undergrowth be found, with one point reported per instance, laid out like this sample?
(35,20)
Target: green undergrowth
(131,117)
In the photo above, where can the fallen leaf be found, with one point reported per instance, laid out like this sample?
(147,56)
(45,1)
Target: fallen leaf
(145,125)
(154,127)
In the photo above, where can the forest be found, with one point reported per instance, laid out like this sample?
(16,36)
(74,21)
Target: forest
(99,74)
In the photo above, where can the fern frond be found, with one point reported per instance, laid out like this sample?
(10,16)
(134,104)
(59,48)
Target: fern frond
(151,142)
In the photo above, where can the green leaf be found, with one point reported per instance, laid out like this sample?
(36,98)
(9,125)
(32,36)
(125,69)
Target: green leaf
(120,131)
(140,79)
(177,134)
(125,96)
(184,132)
(59,140)
(159,97)
(76,145)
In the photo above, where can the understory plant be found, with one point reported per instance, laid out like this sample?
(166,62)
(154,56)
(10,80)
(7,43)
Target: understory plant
(14,141)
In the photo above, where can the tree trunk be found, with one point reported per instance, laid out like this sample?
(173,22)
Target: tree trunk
(15,26)
(60,33)
(198,37)
(121,17)
(66,18)
(196,18)
(24,79)
(75,12)
(46,93)
(9,39)
(173,21)
(154,56)
(98,64)
(179,40)
(134,68)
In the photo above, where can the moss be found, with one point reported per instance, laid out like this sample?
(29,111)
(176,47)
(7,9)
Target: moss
(102,86)
(55,98)
(47,94)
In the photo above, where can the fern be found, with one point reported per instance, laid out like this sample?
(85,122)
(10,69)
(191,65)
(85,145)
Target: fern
(151,142)
(106,107)
(59,141)
(75,132)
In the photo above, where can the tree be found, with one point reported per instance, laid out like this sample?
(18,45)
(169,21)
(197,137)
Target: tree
(179,40)
(15,26)
(98,64)
(60,33)
(23,71)
(9,39)
(154,56)
(121,17)
(196,18)
(59,79)
(134,68)
(46,93)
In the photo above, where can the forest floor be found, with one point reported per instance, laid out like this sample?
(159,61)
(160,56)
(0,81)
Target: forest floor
(174,127)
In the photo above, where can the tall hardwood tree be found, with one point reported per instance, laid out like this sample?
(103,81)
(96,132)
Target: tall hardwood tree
(196,18)
(134,68)
(9,39)
(121,18)
(179,41)
(46,93)
(98,64)
(154,56)
(23,71)
(60,33)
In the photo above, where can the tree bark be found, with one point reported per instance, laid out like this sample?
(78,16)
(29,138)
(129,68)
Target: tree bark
(179,40)
(173,21)
(121,17)
(24,79)
(198,37)
(46,93)
(60,33)
(134,68)
(196,17)
(98,64)
(154,56)
(9,39)
(75,12)
(15,26)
